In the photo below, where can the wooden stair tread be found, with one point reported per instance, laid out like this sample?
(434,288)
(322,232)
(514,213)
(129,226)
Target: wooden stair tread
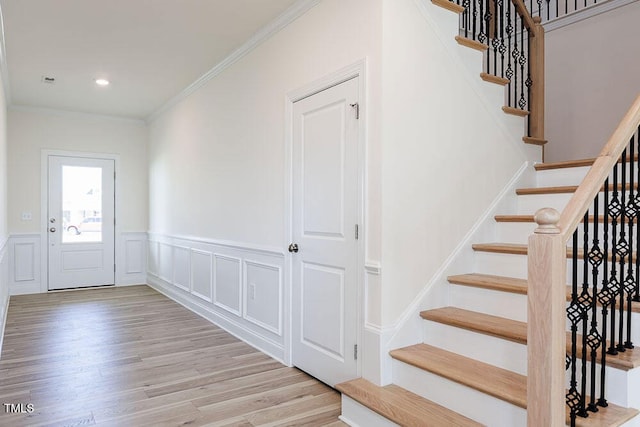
(515,331)
(515,111)
(564,164)
(473,44)
(523,249)
(490,78)
(487,281)
(563,189)
(446,4)
(529,218)
(487,324)
(534,141)
(570,164)
(402,406)
(497,382)
(611,416)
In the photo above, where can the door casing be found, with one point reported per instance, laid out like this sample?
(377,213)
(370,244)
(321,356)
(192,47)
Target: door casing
(44,188)
(357,69)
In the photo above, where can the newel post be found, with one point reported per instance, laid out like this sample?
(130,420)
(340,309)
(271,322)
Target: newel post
(536,100)
(546,337)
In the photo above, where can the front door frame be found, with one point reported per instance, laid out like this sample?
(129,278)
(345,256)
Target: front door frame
(354,70)
(44,208)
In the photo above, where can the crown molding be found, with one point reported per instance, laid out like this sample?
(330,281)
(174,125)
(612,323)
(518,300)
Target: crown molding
(298,9)
(73,114)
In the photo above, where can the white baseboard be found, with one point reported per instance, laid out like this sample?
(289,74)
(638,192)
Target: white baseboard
(234,328)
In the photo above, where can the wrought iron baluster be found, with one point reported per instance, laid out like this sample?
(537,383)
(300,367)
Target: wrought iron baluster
(594,339)
(623,250)
(637,206)
(465,17)
(522,103)
(502,48)
(575,315)
(605,296)
(614,286)
(482,36)
(509,72)
(631,212)
(585,304)
(495,42)
(516,56)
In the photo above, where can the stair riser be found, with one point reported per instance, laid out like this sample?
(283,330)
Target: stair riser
(514,306)
(515,265)
(560,177)
(514,232)
(572,176)
(485,348)
(462,399)
(528,204)
(357,415)
(621,386)
(496,303)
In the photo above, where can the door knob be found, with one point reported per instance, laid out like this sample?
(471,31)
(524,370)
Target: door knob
(293,247)
(52,229)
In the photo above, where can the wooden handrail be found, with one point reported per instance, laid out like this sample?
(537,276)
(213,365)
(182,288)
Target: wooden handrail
(524,13)
(592,182)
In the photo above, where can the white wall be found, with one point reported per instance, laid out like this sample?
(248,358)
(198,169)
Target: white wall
(592,70)
(31,131)
(217,162)
(4,228)
(447,148)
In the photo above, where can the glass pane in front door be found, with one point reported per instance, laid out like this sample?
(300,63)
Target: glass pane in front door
(81,204)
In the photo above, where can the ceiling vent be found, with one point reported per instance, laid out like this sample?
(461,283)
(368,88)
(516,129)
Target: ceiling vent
(48,80)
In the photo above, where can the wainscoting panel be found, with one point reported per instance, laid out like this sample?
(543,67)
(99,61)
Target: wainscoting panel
(202,274)
(263,287)
(153,257)
(4,287)
(239,287)
(227,283)
(181,267)
(24,264)
(131,257)
(165,262)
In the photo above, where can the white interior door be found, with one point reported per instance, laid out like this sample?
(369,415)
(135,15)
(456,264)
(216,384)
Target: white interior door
(80,222)
(325,214)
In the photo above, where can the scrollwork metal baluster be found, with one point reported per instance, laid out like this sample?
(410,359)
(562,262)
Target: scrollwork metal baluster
(623,250)
(605,296)
(615,209)
(574,313)
(631,212)
(594,340)
(585,305)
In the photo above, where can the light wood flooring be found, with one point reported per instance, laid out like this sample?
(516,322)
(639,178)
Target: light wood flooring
(132,357)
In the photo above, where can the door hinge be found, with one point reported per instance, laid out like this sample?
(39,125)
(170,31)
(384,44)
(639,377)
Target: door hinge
(357,232)
(355,352)
(356,105)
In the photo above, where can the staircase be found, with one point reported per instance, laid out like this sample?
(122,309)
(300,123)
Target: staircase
(473,362)
(471,368)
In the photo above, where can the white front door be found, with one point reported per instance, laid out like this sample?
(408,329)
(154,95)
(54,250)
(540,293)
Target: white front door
(80,222)
(325,217)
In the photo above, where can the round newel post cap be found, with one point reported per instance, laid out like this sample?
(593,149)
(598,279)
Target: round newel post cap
(537,19)
(547,220)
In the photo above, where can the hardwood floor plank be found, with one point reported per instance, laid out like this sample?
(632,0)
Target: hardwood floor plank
(131,357)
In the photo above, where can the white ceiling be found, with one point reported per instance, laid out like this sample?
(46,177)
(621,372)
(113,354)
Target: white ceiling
(150,50)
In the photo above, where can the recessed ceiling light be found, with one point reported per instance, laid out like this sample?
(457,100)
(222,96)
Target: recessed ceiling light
(102,82)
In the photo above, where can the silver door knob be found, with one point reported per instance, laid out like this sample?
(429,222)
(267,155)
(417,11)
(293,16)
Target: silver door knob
(52,229)
(293,247)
